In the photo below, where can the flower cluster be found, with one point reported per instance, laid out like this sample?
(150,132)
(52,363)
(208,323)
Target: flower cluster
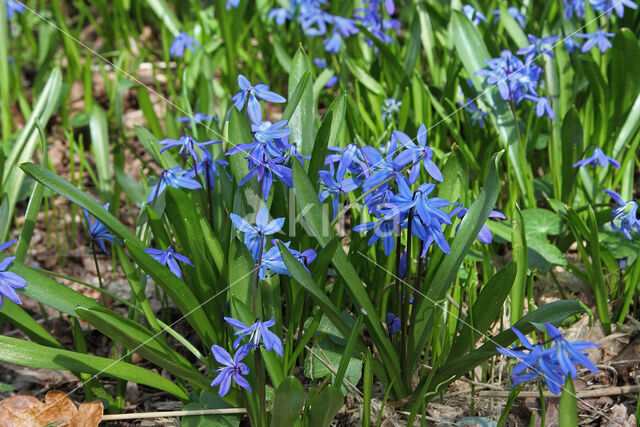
(554,364)
(315,21)
(578,7)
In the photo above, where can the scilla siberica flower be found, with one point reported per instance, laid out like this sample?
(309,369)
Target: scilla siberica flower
(599,38)
(198,118)
(207,168)
(272,261)
(598,158)
(574,7)
(538,46)
(232,368)
(415,153)
(254,235)
(484,235)
(515,14)
(608,6)
(625,216)
(335,187)
(180,43)
(554,364)
(474,15)
(172,178)
(10,281)
(372,18)
(258,333)
(98,232)
(252,95)
(14,7)
(232,4)
(390,108)
(187,145)
(393,323)
(477,115)
(169,258)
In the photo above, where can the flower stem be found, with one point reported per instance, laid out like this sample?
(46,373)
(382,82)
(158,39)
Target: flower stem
(95,261)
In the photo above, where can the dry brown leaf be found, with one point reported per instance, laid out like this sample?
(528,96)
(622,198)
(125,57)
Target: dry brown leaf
(28,411)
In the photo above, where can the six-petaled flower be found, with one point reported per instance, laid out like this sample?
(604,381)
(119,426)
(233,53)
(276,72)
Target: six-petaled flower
(182,42)
(254,235)
(597,158)
(10,281)
(99,232)
(170,258)
(258,333)
(232,368)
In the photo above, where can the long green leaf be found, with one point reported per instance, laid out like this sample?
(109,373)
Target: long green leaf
(99,129)
(303,121)
(25,353)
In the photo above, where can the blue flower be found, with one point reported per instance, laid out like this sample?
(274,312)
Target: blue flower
(169,258)
(259,333)
(474,15)
(198,118)
(624,216)
(335,187)
(7,245)
(542,106)
(608,6)
(568,354)
(542,45)
(207,168)
(254,235)
(515,14)
(416,152)
(386,168)
(272,261)
(305,258)
(98,232)
(180,43)
(14,7)
(280,15)
(350,158)
(232,369)
(571,44)
(574,7)
(10,281)
(186,144)
(252,95)
(390,108)
(393,323)
(342,27)
(373,20)
(383,228)
(477,115)
(232,4)
(599,38)
(513,78)
(484,235)
(173,178)
(598,158)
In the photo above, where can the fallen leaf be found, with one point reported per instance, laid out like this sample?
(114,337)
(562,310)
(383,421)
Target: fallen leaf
(28,411)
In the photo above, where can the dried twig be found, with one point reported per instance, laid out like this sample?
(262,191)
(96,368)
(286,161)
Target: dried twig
(586,394)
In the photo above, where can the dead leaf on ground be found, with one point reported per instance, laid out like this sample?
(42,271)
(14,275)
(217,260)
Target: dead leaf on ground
(28,411)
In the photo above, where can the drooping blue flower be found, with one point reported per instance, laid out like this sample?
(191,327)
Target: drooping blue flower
(98,232)
(254,235)
(515,14)
(542,106)
(232,369)
(280,15)
(415,153)
(252,95)
(598,158)
(198,118)
(207,168)
(181,42)
(608,6)
(172,177)
(386,169)
(599,38)
(572,45)
(258,333)
(474,15)
(574,7)
(625,216)
(232,4)
(484,235)
(170,258)
(272,261)
(538,46)
(393,323)
(305,257)
(383,228)
(14,7)
(513,78)
(373,19)
(342,27)
(477,115)
(568,354)
(187,145)
(9,282)
(390,108)
(335,187)
(349,159)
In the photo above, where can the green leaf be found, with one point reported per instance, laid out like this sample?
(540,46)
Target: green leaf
(568,409)
(363,77)
(441,280)
(25,353)
(68,190)
(164,12)
(572,140)
(287,403)
(303,120)
(320,148)
(207,400)
(25,322)
(520,255)
(542,222)
(99,130)
(324,360)
(325,407)
(140,340)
